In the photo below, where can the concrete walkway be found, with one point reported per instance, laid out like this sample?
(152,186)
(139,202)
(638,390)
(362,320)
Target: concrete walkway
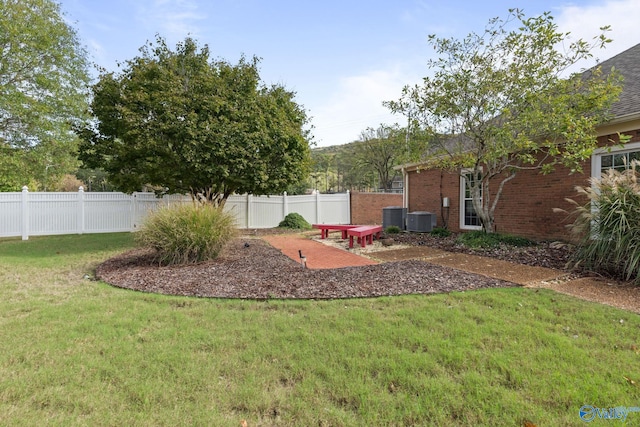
(524,275)
(318,254)
(321,255)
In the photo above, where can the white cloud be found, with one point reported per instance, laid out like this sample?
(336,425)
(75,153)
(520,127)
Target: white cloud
(172,19)
(97,51)
(356,104)
(584,22)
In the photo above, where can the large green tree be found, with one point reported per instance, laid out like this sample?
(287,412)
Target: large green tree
(183,123)
(379,150)
(44,84)
(500,102)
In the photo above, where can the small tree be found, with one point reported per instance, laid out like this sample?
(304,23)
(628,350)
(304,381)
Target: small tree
(179,122)
(497,103)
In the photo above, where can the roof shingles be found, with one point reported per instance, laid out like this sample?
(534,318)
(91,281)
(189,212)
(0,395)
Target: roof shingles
(628,64)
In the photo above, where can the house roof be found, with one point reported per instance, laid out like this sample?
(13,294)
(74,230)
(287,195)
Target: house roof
(628,64)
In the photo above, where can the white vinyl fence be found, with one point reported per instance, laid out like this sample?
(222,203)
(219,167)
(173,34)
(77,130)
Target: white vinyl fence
(39,214)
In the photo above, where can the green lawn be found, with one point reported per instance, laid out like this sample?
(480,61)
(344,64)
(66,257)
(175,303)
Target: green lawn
(78,352)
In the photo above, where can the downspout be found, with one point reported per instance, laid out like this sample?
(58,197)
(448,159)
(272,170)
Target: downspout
(405,189)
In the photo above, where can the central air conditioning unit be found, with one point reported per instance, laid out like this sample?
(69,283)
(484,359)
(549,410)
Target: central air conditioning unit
(421,222)
(394,215)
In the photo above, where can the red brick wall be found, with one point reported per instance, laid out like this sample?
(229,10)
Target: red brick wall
(527,203)
(366,208)
(525,207)
(426,190)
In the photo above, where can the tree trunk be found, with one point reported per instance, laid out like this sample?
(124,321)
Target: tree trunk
(484,203)
(209,196)
(481,207)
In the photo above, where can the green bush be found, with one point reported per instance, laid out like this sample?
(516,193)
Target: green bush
(440,232)
(481,239)
(608,226)
(186,234)
(296,221)
(392,229)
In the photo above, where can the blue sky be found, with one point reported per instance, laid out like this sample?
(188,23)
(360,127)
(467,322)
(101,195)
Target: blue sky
(342,58)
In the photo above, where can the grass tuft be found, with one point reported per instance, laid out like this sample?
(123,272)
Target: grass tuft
(392,229)
(481,239)
(440,232)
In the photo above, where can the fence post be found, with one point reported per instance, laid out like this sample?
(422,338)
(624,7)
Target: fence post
(349,205)
(25,213)
(285,205)
(81,210)
(248,210)
(133,208)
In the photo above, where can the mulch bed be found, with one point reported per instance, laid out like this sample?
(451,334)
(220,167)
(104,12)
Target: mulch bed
(258,271)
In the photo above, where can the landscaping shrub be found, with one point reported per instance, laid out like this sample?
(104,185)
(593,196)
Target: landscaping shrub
(440,232)
(609,225)
(481,239)
(392,229)
(296,221)
(186,234)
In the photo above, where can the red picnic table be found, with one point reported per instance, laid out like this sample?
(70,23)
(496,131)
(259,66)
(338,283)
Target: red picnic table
(325,228)
(364,233)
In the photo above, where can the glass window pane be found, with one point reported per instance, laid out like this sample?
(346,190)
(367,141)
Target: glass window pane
(606,161)
(468,208)
(470,217)
(619,160)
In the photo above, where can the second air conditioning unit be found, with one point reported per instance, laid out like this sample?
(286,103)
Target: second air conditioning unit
(421,222)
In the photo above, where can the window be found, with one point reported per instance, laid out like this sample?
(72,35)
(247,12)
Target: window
(618,161)
(469,219)
(614,158)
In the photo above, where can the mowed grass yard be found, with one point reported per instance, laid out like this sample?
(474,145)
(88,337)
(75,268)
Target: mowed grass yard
(77,352)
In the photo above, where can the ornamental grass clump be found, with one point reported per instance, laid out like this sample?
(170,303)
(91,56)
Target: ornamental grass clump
(187,233)
(608,226)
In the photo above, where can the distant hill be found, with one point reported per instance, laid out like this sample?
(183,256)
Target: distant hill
(333,149)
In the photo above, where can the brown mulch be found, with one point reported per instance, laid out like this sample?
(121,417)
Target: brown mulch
(260,271)
(251,268)
(554,255)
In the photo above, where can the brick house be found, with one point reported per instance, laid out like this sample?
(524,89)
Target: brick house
(527,202)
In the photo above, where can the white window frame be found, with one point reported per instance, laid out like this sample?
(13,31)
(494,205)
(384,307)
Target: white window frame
(596,157)
(463,201)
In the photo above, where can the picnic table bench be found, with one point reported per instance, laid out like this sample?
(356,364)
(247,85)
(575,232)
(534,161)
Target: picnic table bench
(325,228)
(364,233)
